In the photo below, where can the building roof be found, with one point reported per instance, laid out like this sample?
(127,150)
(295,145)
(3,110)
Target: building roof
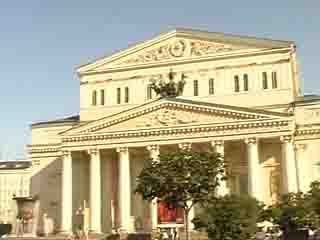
(72,119)
(14,164)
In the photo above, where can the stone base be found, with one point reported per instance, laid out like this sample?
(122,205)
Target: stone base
(194,235)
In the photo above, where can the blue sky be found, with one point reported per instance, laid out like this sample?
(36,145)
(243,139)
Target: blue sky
(42,42)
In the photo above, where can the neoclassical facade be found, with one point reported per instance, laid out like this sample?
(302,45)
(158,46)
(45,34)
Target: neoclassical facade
(242,97)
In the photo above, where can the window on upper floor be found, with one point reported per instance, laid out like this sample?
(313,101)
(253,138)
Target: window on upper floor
(211,86)
(149,92)
(102,97)
(94,98)
(118,95)
(264,80)
(236,83)
(126,95)
(195,88)
(245,82)
(274,80)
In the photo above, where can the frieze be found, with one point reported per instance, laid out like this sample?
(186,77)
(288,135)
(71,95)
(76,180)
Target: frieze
(178,49)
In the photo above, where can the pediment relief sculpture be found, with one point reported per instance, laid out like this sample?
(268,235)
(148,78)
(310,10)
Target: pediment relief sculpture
(165,117)
(179,48)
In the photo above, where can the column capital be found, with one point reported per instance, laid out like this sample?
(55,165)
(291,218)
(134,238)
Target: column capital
(66,153)
(185,146)
(299,146)
(252,140)
(93,151)
(153,147)
(215,143)
(122,149)
(286,138)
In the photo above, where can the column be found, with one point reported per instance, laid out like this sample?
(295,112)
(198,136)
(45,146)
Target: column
(95,190)
(288,165)
(254,170)
(188,147)
(218,147)
(66,214)
(124,189)
(154,155)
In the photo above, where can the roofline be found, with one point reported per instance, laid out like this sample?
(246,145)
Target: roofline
(58,122)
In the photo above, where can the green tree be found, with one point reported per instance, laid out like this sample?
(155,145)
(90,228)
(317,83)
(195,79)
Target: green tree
(182,179)
(230,217)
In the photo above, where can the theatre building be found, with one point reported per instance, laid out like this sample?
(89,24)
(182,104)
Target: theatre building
(242,96)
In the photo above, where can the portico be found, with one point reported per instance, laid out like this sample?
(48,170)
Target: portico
(245,153)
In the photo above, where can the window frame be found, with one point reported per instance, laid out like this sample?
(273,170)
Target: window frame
(274,80)
(94,98)
(211,86)
(245,82)
(102,97)
(126,95)
(264,80)
(195,87)
(236,83)
(118,95)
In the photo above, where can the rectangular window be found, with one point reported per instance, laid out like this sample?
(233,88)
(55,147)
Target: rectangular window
(211,86)
(118,95)
(245,82)
(274,80)
(149,92)
(126,95)
(94,98)
(195,88)
(102,97)
(236,83)
(264,80)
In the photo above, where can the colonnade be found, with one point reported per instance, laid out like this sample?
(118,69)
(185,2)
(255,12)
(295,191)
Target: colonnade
(288,166)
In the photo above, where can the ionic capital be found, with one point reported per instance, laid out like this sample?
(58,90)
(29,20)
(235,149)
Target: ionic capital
(251,140)
(286,139)
(66,153)
(153,148)
(217,143)
(122,149)
(93,151)
(185,146)
(299,147)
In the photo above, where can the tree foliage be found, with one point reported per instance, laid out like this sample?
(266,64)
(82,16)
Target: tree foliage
(297,210)
(230,217)
(181,177)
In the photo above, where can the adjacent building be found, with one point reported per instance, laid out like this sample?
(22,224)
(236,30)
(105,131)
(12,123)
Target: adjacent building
(14,181)
(242,97)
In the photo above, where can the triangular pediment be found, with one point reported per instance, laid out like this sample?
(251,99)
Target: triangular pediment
(181,45)
(173,112)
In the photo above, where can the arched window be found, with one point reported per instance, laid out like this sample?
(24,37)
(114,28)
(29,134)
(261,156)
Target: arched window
(126,95)
(264,80)
(94,98)
(245,82)
(236,83)
(102,97)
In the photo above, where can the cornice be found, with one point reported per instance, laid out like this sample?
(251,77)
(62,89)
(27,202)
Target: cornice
(43,148)
(230,128)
